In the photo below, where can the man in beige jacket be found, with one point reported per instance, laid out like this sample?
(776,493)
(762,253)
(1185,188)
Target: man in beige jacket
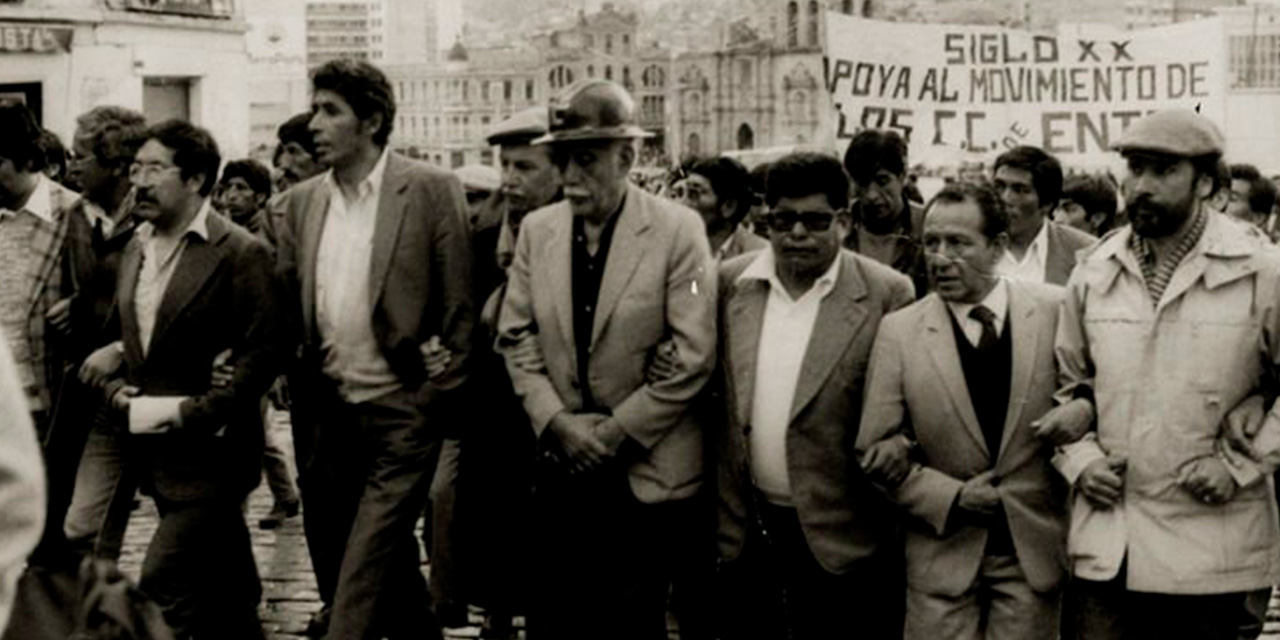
(1167,325)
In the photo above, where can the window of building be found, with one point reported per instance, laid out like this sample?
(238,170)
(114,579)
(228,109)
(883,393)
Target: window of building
(506,90)
(608,72)
(626,77)
(484,90)
(793,24)
(1253,61)
(486,157)
(528,90)
(814,12)
(591,41)
(591,71)
(744,73)
(846,7)
(608,43)
(626,43)
(466,91)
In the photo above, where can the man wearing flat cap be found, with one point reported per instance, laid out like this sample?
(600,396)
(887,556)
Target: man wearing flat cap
(599,284)
(1168,325)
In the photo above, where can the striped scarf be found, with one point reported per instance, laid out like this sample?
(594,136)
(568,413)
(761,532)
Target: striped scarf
(1157,276)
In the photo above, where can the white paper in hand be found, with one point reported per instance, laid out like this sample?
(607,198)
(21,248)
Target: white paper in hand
(153,415)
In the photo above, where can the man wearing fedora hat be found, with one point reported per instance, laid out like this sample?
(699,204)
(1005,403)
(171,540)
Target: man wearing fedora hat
(599,283)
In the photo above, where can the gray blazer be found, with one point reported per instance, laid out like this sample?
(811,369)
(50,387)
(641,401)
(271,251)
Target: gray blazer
(658,285)
(843,517)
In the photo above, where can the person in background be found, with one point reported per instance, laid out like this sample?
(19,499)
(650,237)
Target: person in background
(1251,197)
(802,531)
(1088,203)
(886,225)
(55,158)
(243,191)
(297,159)
(755,215)
(480,182)
(719,189)
(22,485)
(103,148)
(1029,182)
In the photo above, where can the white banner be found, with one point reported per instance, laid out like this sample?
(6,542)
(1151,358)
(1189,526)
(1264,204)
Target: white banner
(966,93)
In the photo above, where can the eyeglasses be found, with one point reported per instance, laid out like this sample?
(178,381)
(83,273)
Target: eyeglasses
(147,171)
(814,221)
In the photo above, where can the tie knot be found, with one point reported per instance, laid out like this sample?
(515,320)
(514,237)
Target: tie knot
(983,315)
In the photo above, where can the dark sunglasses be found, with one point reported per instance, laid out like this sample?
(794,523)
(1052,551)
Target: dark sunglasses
(783,221)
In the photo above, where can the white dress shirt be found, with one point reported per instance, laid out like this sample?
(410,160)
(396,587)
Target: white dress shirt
(997,301)
(1031,268)
(344,305)
(160,256)
(784,338)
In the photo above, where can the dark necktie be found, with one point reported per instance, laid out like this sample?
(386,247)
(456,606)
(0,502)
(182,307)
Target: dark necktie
(988,319)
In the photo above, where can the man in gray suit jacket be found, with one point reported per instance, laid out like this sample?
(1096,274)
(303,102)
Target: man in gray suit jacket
(1029,182)
(374,258)
(808,548)
(963,374)
(599,281)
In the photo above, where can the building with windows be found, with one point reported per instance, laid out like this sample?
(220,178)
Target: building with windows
(444,111)
(278,83)
(1252,80)
(377,31)
(165,58)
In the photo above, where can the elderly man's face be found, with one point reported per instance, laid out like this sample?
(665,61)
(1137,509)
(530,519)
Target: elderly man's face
(594,174)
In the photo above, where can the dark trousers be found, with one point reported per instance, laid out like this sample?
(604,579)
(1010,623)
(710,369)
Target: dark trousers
(199,569)
(365,487)
(1109,611)
(777,589)
(604,560)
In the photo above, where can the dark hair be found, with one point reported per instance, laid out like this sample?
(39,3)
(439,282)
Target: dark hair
(728,178)
(1262,193)
(194,151)
(364,87)
(252,171)
(1045,170)
(872,150)
(114,133)
(55,155)
(802,174)
(1094,193)
(20,143)
(995,219)
(298,129)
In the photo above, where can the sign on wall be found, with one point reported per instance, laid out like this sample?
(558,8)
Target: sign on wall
(17,37)
(200,8)
(962,92)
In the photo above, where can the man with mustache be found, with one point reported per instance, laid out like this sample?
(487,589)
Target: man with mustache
(808,548)
(599,282)
(1167,325)
(964,373)
(1029,182)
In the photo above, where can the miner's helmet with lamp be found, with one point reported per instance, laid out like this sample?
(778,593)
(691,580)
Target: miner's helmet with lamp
(592,110)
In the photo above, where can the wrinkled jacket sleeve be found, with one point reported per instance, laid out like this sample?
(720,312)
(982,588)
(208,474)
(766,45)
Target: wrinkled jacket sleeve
(652,410)
(925,493)
(1075,376)
(1266,443)
(516,325)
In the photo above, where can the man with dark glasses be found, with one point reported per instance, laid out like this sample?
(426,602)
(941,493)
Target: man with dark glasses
(802,531)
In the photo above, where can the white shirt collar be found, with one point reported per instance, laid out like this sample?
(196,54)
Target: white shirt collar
(997,301)
(764,267)
(199,225)
(1036,250)
(372,183)
(40,202)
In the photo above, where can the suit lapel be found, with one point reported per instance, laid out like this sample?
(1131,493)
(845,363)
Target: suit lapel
(1025,325)
(128,284)
(839,319)
(312,228)
(625,252)
(746,318)
(940,342)
(559,252)
(198,262)
(391,210)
